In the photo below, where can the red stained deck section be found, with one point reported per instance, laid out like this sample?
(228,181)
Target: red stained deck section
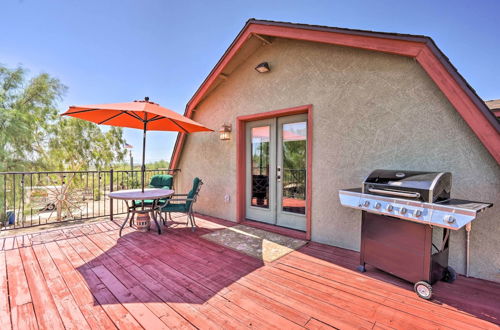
(86,277)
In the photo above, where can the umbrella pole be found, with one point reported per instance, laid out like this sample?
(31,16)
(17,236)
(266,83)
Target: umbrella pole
(143,168)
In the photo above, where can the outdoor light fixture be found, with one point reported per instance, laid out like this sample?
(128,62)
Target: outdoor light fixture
(225,132)
(263,67)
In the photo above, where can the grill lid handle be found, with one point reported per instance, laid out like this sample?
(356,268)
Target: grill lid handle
(395,193)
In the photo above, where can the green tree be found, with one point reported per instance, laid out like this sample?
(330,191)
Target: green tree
(158,165)
(79,144)
(34,137)
(27,114)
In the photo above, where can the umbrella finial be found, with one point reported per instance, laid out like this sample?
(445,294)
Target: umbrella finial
(146,99)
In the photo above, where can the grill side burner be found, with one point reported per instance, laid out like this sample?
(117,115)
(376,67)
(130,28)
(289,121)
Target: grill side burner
(400,212)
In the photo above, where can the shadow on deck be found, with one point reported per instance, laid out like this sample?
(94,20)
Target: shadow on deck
(175,267)
(87,277)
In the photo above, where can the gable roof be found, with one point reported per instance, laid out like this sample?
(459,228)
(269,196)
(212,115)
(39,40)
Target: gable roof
(460,94)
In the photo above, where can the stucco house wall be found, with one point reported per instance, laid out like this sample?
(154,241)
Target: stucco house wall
(370,110)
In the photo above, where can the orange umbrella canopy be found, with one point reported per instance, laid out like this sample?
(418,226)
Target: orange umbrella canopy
(145,115)
(137,114)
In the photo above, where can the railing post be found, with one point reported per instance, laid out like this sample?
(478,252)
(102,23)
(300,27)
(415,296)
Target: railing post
(22,199)
(111,199)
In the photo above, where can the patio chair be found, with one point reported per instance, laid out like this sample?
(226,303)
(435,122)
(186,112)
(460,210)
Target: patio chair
(182,205)
(163,181)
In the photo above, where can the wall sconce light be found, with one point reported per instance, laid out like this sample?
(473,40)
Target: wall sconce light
(225,132)
(263,67)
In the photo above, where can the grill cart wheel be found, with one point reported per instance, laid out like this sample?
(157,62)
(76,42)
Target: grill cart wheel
(450,275)
(423,290)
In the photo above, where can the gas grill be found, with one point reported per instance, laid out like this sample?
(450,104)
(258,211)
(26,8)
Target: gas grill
(406,221)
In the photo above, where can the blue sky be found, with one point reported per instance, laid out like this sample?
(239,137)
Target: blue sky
(119,50)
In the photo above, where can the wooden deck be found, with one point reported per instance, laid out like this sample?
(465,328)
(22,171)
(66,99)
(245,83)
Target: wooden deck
(86,277)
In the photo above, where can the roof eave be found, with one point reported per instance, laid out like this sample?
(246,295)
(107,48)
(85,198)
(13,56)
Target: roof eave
(422,48)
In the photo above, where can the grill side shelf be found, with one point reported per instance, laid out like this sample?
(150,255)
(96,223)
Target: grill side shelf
(466,204)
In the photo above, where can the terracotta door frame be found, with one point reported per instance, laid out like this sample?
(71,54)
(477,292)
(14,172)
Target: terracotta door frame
(241,158)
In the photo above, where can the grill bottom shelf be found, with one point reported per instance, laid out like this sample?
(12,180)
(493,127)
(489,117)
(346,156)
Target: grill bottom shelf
(402,248)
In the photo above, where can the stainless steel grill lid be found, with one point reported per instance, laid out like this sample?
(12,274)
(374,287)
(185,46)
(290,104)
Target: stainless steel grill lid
(422,186)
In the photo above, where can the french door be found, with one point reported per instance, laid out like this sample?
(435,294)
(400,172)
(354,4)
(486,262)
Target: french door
(276,171)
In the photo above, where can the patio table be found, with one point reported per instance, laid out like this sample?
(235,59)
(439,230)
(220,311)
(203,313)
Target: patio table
(153,194)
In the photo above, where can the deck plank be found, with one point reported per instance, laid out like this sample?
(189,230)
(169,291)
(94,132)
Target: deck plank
(327,302)
(167,315)
(5,322)
(69,311)
(288,312)
(196,270)
(329,313)
(404,298)
(91,278)
(401,315)
(328,288)
(229,282)
(314,324)
(185,287)
(333,285)
(94,313)
(45,308)
(94,288)
(222,304)
(9,243)
(158,276)
(145,317)
(21,304)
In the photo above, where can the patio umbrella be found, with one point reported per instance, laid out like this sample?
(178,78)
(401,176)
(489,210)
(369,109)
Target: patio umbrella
(145,115)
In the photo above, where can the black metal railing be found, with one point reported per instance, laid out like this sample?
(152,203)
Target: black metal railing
(293,181)
(30,199)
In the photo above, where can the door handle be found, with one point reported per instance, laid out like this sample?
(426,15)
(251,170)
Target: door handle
(395,193)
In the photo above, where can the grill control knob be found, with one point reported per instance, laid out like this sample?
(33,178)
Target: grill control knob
(418,213)
(449,218)
(377,205)
(366,203)
(390,208)
(403,210)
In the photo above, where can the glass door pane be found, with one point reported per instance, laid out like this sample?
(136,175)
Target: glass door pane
(293,171)
(260,166)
